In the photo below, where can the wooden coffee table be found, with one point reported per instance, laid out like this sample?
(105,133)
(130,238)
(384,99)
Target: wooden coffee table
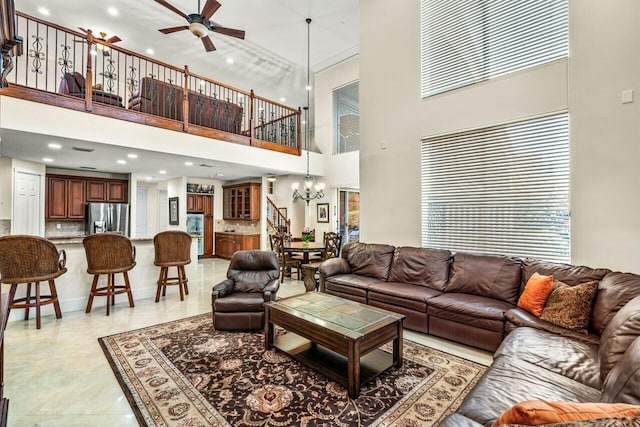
(337,337)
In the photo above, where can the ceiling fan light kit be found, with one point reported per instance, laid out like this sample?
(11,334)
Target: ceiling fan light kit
(198,29)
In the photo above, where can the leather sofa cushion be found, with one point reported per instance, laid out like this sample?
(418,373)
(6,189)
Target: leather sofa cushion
(510,380)
(622,385)
(490,276)
(239,302)
(623,329)
(614,291)
(214,113)
(457,420)
(518,317)
(371,260)
(574,359)
(421,266)
(473,309)
(570,274)
(406,295)
(352,280)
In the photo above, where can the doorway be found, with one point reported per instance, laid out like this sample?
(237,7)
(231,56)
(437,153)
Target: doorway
(349,215)
(27,216)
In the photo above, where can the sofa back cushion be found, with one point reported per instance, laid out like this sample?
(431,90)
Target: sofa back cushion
(570,274)
(252,271)
(214,113)
(620,332)
(622,385)
(614,291)
(421,266)
(367,259)
(489,276)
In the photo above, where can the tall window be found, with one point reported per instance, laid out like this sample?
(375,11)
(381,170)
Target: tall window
(502,189)
(468,41)
(346,105)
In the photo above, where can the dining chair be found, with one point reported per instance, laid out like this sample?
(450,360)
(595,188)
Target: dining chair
(285,261)
(30,260)
(332,245)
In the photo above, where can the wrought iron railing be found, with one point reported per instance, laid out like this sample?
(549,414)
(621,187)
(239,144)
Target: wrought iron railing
(130,86)
(278,222)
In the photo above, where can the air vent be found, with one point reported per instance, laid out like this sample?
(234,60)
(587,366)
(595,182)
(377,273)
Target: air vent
(87,167)
(206,165)
(84,150)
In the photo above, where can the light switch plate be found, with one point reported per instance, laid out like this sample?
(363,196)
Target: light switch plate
(627,96)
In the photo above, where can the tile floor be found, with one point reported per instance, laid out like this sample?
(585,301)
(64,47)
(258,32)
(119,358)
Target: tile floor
(58,375)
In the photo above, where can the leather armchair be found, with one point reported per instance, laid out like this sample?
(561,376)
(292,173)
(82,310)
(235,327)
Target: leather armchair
(252,280)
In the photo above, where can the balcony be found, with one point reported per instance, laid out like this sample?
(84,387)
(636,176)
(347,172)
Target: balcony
(58,62)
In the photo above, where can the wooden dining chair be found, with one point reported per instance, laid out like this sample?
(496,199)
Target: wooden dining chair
(286,262)
(332,245)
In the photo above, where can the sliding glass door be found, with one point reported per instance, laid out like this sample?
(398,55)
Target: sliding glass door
(349,215)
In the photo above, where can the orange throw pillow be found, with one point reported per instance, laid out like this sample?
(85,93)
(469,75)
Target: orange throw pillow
(539,412)
(536,293)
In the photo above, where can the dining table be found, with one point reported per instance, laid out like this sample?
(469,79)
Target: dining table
(304,248)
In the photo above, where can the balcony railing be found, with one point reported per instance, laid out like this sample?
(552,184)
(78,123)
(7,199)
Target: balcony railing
(58,62)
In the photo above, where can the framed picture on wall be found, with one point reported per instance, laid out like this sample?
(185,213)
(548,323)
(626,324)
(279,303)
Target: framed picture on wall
(174,218)
(323,212)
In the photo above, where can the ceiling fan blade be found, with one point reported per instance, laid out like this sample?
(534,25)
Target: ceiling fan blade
(172,8)
(208,44)
(229,32)
(114,39)
(210,7)
(173,29)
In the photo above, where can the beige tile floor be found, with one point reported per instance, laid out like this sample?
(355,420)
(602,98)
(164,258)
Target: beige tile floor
(58,375)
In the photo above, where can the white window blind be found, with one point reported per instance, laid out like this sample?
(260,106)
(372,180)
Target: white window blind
(346,108)
(468,41)
(502,190)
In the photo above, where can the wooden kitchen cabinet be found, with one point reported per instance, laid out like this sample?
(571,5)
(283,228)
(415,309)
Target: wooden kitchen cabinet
(191,203)
(196,202)
(117,191)
(241,202)
(56,198)
(228,243)
(75,198)
(96,191)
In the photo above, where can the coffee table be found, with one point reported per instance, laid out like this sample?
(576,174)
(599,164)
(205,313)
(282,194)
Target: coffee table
(337,337)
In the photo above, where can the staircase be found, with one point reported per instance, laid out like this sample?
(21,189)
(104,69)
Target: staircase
(276,222)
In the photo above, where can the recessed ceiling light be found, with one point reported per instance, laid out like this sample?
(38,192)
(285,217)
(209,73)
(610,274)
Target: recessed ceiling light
(229,60)
(54,145)
(219,174)
(162,172)
(112,11)
(122,162)
(132,156)
(150,51)
(43,11)
(188,163)
(149,178)
(283,99)
(47,159)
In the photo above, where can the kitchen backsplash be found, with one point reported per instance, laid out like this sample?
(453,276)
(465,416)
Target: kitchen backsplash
(67,228)
(237,226)
(5,227)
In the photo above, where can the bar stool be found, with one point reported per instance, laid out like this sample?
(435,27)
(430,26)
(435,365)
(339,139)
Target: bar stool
(109,253)
(31,260)
(172,249)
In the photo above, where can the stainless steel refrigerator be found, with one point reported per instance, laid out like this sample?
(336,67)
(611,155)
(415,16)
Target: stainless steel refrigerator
(195,224)
(108,217)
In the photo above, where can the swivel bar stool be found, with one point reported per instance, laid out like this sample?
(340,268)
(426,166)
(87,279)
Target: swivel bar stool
(109,253)
(31,260)
(172,249)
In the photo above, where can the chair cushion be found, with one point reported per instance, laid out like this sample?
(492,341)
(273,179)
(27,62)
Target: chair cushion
(623,329)
(371,260)
(509,381)
(239,302)
(614,291)
(406,295)
(517,317)
(490,276)
(568,357)
(474,310)
(421,266)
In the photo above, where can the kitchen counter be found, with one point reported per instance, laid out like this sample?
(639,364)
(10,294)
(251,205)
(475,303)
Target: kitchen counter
(239,233)
(71,240)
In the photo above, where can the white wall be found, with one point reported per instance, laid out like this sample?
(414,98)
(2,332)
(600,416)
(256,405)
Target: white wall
(178,188)
(5,188)
(605,197)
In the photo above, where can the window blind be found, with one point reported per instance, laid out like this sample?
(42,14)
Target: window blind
(346,108)
(502,189)
(468,41)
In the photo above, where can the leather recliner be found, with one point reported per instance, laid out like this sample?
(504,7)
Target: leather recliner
(252,280)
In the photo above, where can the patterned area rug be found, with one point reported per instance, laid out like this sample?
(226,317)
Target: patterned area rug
(186,374)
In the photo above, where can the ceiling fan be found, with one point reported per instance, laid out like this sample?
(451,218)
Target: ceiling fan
(199,23)
(104,48)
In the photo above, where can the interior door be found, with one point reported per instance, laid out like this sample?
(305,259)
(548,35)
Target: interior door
(27,217)
(141,212)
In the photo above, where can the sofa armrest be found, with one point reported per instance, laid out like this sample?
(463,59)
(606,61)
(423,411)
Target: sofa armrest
(270,290)
(334,266)
(521,318)
(222,289)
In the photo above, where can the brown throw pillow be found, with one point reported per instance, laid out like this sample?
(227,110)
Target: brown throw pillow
(570,306)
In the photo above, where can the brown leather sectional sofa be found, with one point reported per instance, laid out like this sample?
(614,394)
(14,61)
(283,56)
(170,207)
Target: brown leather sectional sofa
(165,100)
(472,299)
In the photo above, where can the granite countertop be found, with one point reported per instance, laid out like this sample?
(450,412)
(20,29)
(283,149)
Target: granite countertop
(239,233)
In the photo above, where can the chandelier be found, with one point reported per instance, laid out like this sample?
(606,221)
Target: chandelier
(309,191)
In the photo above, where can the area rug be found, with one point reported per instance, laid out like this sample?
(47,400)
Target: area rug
(186,374)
